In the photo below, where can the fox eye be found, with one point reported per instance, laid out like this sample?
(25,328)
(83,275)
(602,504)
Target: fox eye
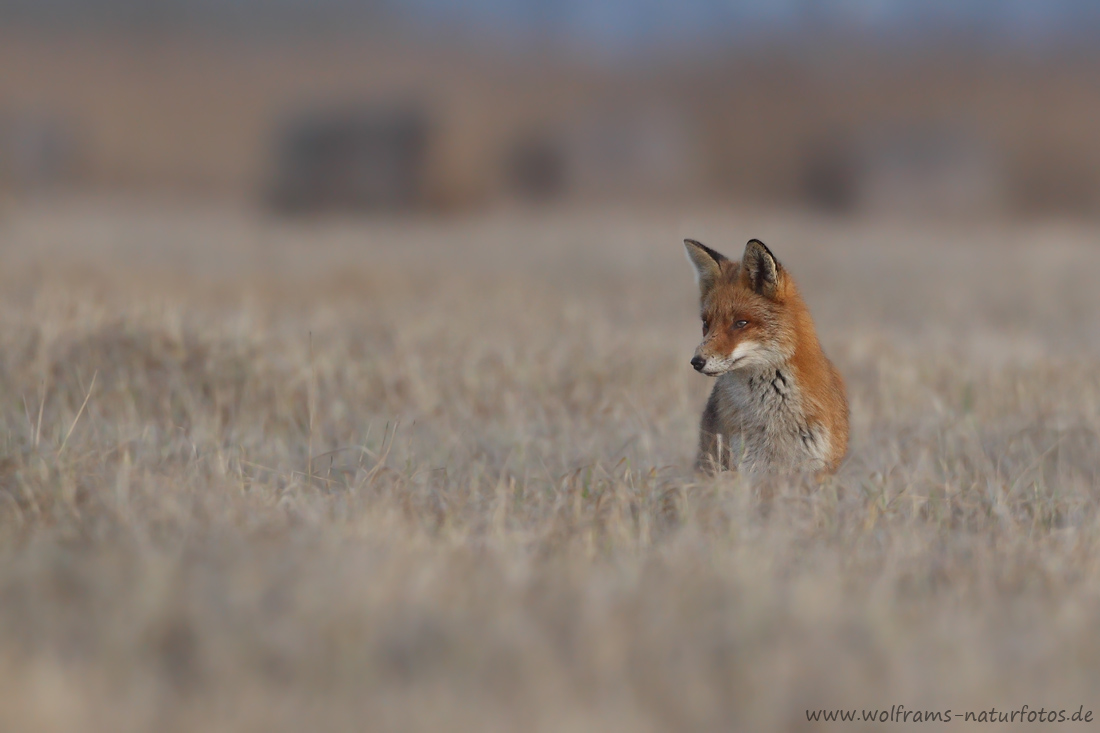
(740,324)
(706,327)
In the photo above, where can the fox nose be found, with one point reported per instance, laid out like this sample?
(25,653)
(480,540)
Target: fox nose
(698,362)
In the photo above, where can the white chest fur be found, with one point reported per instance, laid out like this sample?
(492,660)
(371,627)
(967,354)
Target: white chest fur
(763,413)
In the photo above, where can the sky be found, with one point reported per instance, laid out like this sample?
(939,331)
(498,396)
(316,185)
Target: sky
(621,24)
(641,21)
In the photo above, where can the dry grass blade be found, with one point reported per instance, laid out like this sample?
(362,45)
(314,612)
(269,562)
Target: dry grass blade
(79,412)
(311,398)
(41,408)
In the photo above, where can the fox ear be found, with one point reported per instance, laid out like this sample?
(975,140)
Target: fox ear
(759,269)
(707,264)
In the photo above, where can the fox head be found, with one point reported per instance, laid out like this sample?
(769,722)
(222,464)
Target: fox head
(746,307)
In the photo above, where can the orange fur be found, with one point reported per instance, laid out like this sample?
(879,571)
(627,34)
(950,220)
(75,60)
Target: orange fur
(778,399)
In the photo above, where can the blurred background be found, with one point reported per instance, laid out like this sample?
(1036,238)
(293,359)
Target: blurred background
(344,362)
(966,108)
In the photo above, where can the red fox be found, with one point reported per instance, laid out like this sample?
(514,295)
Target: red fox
(779,404)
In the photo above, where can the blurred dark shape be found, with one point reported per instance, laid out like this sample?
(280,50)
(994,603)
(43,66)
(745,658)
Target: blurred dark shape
(632,152)
(830,176)
(1053,181)
(928,170)
(371,158)
(536,167)
(620,152)
(914,170)
(38,153)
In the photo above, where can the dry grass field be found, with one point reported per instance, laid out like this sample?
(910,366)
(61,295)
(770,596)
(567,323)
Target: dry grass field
(426,475)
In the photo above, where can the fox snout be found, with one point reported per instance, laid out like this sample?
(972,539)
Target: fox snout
(714,360)
(709,363)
